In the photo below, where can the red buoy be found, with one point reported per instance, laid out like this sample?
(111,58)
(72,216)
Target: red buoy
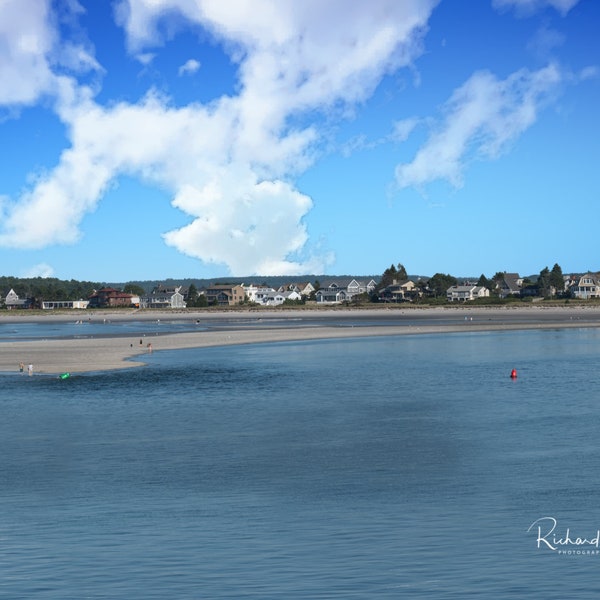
(513,374)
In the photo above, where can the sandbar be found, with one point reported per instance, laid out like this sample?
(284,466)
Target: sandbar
(55,356)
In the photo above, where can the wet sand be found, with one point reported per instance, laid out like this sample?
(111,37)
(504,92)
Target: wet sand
(54,356)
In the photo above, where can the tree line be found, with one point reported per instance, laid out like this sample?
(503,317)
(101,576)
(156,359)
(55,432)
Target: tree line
(49,288)
(549,282)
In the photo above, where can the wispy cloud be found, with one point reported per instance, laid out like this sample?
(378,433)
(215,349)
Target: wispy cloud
(481,119)
(39,270)
(529,7)
(191,66)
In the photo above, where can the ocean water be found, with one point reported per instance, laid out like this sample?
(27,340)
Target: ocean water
(390,467)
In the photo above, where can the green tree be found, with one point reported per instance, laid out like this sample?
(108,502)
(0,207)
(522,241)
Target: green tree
(135,289)
(192,295)
(401,272)
(312,297)
(440,283)
(391,274)
(556,279)
(483,281)
(543,282)
(201,301)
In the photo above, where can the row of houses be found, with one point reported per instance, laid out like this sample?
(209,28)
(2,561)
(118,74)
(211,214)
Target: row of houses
(580,287)
(229,295)
(337,291)
(162,297)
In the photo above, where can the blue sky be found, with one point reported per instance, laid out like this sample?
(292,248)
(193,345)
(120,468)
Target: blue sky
(147,139)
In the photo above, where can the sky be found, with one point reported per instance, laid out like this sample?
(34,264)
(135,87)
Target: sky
(154,139)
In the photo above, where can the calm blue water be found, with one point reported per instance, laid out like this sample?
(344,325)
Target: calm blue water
(405,467)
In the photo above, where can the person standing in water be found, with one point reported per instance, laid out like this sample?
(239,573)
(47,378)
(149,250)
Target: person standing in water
(30,369)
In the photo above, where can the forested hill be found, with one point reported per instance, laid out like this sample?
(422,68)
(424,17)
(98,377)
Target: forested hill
(270,281)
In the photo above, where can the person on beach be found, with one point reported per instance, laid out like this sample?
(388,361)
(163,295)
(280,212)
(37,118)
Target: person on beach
(21,367)
(30,369)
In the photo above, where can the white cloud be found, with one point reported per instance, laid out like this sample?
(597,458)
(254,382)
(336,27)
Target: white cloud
(529,7)
(39,270)
(482,118)
(31,51)
(227,164)
(544,42)
(403,129)
(590,72)
(260,218)
(24,70)
(189,67)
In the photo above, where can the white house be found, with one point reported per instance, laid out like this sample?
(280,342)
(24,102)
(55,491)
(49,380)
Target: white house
(73,304)
(331,296)
(304,288)
(585,287)
(465,293)
(257,293)
(343,290)
(11,300)
(277,298)
(164,297)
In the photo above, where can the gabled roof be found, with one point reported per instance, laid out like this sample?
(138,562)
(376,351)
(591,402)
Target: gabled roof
(171,289)
(345,282)
(511,281)
(594,279)
(221,287)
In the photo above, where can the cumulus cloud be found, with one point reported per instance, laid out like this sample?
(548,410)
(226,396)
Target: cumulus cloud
(230,164)
(32,53)
(24,71)
(261,214)
(481,119)
(191,66)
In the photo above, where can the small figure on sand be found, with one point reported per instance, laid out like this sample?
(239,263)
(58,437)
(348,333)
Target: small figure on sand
(21,367)
(149,346)
(30,369)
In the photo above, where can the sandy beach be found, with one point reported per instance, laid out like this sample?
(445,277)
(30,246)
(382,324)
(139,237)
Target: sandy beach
(55,356)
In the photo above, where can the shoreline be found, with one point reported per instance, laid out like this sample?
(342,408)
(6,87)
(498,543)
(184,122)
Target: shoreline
(328,311)
(111,352)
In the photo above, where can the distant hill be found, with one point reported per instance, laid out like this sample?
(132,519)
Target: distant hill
(271,281)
